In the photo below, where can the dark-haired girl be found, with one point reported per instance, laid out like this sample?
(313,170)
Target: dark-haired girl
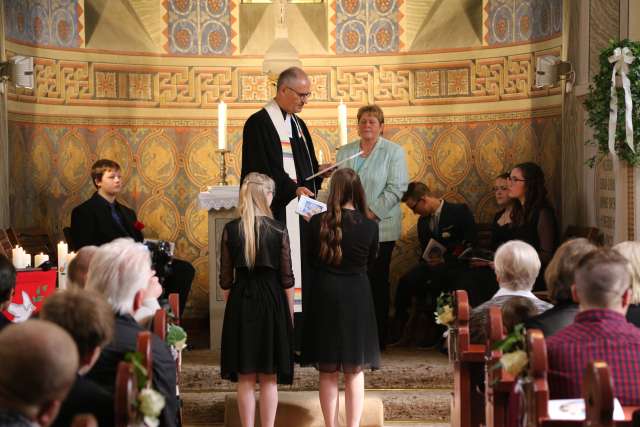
(340,333)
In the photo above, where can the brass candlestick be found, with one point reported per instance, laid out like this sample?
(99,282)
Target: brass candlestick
(223,166)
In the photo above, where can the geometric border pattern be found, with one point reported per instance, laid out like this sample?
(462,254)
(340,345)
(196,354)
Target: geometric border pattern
(83,83)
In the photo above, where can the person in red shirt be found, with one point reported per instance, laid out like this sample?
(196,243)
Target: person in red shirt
(599,332)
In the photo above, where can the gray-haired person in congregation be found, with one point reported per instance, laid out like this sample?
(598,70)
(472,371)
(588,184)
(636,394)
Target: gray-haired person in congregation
(516,265)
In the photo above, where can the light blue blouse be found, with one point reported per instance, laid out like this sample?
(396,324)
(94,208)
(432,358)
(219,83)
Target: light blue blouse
(384,177)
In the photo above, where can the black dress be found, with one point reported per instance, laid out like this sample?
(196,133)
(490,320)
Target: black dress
(340,332)
(257,331)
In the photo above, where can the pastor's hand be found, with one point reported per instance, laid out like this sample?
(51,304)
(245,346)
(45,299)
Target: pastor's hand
(304,191)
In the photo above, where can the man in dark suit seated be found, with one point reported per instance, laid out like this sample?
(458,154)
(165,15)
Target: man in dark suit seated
(121,272)
(7,287)
(88,318)
(451,225)
(102,219)
(39,365)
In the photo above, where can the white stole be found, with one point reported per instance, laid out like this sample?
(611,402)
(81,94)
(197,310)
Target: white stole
(285,133)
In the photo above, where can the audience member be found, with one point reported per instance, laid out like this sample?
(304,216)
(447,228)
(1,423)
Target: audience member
(7,287)
(39,364)
(88,318)
(631,251)
(450,224)
(79,266)
(517,265)
(600,330)
(121,271)
(559,277)
(517,310)
(533,219)
(102,219)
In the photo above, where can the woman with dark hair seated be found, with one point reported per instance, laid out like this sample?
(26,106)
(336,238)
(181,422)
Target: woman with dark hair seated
(532,216)
(559,278)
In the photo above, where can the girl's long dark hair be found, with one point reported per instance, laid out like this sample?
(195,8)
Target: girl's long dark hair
(345,188)
(535,193)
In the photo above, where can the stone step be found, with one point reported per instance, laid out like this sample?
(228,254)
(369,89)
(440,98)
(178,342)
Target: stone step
(415,407)
(401,369)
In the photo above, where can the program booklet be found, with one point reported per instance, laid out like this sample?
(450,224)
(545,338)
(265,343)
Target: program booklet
(573,409)
(434,250)
(309,207)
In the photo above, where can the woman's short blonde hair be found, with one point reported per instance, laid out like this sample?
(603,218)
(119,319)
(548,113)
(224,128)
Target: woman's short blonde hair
(560,272)
(631,251)
(517,265)
(372,109)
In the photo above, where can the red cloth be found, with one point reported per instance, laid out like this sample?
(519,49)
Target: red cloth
(37,285)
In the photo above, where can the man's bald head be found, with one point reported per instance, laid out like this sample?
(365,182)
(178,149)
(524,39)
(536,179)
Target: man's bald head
(39,364)
(79,266)
(293,90)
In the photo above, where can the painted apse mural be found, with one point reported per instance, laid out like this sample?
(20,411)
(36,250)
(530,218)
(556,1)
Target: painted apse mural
(463,113)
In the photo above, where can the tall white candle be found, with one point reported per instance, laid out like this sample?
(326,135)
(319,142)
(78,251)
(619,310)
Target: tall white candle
(321,157)
(342,122)
(16,257)
(26,260)
(222,126)
(40,258)
(63,250)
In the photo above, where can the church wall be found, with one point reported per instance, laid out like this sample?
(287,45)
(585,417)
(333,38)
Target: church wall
(463,115)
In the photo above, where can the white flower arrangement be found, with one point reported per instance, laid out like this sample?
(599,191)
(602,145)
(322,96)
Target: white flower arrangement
(444,310)
(150,405)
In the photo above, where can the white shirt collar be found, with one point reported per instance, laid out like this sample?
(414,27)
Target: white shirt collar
(436,214)
(508,292)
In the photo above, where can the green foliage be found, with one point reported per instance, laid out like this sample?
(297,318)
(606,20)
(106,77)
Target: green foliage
(135,358)
(175,334)
(513,341)
(443,300)
(597,106)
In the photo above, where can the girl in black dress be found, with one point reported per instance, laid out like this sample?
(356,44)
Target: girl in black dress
(340,333)
(255,266)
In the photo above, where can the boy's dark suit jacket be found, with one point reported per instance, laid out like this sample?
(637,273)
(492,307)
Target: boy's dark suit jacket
(456,223)
(92,223)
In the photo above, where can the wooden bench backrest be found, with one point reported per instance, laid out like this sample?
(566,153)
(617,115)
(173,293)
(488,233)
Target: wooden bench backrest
(174,303)
(597,389)
(536,390)
(125,395)
(498,382)
(160,324)
(144,347)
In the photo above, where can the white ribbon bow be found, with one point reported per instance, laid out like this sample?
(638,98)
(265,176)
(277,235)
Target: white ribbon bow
(621,59)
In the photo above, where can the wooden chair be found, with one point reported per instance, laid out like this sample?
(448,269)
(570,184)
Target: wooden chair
(144,347)
(466,409)
(125,396)
(32,240)
(160,324)
(5,245)
(498,383)
(597,390)
(174,303)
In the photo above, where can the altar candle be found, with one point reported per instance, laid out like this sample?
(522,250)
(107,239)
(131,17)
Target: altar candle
(15,256)
(26,260)
(40,258)
(321,157)
(342,122)
(63,250)
(222,126)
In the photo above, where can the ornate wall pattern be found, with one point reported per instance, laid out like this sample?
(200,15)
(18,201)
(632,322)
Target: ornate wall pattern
(107,84)
(165,167)
(367,26)
(518,21)
(200,27)
(55,23)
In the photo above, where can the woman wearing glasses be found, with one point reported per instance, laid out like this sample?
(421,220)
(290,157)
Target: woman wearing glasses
(382,169)
(533,218)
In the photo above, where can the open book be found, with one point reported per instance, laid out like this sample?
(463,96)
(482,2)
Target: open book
(309,207)
(476,254)
(434,250)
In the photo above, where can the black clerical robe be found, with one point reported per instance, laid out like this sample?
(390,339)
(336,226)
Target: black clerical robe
(262,152)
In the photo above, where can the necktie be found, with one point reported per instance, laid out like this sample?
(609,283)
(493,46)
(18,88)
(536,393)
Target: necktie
(116,217)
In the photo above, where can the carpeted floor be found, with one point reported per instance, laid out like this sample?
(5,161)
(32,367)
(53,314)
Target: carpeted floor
(414,385)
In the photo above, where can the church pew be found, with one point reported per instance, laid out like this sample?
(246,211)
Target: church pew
(597,391)
(498,383)
(174,303)
(160,324)
(125,396)
(467,409)
(32,240)
(143,346)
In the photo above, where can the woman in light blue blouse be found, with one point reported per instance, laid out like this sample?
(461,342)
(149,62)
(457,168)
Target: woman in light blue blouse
(383,172)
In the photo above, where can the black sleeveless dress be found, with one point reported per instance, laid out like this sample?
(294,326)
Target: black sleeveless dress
(340,330)
(257,333)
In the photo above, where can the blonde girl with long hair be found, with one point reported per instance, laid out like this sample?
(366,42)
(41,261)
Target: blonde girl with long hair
(255,268)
